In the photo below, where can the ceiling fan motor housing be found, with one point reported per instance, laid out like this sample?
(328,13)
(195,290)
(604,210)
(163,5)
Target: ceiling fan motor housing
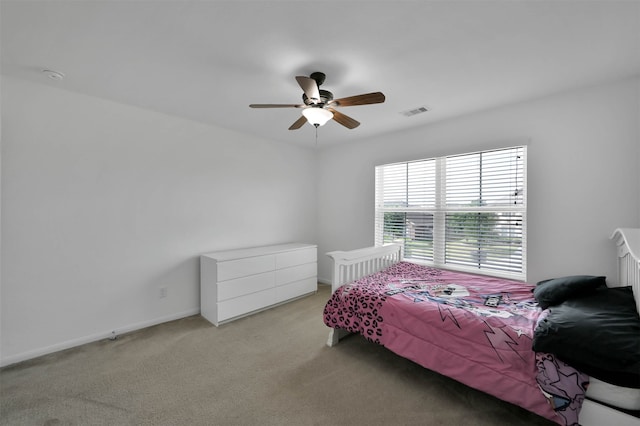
(318,77)
(325,96)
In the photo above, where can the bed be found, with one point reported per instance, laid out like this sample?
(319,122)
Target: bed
(481,330)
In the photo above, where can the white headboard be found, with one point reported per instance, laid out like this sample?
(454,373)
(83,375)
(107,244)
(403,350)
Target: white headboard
(628,252)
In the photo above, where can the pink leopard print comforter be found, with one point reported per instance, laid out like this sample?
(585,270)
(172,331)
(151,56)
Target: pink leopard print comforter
(475,329)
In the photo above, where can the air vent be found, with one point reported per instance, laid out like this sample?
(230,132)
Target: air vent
(53,75)
(415,111)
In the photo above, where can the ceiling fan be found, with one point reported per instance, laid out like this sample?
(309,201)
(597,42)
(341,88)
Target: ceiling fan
(319,105)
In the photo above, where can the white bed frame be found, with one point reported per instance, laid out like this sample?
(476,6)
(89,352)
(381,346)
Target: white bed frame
(354,264)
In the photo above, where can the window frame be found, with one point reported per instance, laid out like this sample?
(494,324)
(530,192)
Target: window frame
(512,213)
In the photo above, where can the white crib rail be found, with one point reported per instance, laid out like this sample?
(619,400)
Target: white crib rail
(628,245)
(350,265)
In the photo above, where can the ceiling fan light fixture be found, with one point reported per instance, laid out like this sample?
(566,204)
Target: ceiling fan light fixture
(317,116)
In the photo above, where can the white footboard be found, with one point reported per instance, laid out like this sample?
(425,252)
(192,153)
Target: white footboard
(350,265)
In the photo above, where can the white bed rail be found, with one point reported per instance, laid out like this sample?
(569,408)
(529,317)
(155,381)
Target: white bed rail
(350,265)
(628,245)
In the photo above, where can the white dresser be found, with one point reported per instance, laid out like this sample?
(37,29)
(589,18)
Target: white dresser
(236,283)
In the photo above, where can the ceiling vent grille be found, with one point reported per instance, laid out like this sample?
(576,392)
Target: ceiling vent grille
(412,112)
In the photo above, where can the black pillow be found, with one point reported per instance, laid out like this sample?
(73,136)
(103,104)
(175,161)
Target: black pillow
(557,290)
(598,334)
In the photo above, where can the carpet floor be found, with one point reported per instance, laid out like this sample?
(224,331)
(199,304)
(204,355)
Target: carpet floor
(271,368)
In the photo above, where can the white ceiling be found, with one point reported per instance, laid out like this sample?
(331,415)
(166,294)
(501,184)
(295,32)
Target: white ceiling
(208,60)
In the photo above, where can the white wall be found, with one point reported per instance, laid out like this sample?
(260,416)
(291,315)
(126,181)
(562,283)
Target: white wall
(583,175)
(105,204)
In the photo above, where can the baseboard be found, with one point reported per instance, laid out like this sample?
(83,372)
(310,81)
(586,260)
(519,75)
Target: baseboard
(94,337)
(324,281)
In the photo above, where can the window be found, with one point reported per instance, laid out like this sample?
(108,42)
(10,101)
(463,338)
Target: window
(465,212)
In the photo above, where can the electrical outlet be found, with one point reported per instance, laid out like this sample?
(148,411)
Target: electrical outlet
(163,292)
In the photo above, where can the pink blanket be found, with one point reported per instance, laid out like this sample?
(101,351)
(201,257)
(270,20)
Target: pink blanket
(475,329)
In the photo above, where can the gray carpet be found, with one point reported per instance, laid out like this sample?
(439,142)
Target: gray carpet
(272,368)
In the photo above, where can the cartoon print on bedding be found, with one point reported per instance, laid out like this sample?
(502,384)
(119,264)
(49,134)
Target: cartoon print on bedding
(562,385)
(468,298)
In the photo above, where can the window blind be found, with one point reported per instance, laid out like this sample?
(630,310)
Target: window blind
(463,212)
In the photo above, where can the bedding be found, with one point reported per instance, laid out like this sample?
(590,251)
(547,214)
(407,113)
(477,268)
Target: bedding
(597,333)
(557,290)
(475,329)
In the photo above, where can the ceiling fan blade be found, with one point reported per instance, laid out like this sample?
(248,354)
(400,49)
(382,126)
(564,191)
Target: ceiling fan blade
(275,106)
(310,88)
(299,123)
(345,120)
(366,99)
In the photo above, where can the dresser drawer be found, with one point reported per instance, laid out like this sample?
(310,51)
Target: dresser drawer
(296,257)
(296,289)
(246,304)
(245,285)
(296,273)
(248,266)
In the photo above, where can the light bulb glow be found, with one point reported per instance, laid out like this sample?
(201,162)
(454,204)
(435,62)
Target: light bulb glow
(317,116)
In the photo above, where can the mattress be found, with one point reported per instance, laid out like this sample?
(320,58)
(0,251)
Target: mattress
(617,396)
